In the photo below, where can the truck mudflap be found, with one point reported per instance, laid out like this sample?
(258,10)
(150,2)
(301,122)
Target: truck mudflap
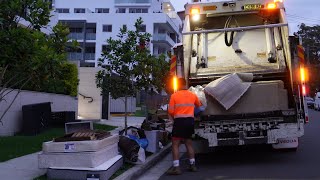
(270,136)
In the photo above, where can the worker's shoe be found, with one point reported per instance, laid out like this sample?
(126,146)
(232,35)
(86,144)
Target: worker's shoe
(174,171)
(192,168)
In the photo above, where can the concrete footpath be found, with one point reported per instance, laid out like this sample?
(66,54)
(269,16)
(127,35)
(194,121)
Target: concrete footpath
(155,165)
(22,168)
(26,167)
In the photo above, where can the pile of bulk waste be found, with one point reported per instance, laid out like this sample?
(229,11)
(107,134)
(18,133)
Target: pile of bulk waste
(150,137)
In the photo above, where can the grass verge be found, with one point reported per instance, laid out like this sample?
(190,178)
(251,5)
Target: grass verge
(123,169)
(43,177)
(16,146)
(139,113)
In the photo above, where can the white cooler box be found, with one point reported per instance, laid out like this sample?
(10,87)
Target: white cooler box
(153,140)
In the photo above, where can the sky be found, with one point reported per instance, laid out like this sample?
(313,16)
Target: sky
(298,11)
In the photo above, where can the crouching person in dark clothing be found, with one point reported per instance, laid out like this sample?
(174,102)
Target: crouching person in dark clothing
(181,109)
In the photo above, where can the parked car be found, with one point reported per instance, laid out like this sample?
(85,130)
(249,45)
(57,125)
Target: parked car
(310,102)
(317,101)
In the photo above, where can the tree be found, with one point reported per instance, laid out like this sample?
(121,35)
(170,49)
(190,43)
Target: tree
(129,67)
(311,42)
(30,59)
(37,12)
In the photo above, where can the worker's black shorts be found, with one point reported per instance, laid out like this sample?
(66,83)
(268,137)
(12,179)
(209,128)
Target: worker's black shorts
(183,128)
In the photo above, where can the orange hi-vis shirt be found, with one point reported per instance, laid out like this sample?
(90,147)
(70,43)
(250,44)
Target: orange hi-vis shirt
(182,104)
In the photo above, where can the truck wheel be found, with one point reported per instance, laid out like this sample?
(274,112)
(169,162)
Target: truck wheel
(286,150)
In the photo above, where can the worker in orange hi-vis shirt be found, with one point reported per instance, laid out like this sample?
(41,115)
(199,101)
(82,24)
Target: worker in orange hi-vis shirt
(181,109)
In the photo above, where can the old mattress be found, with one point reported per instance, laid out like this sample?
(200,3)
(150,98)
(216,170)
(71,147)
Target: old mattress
(77,159)
(103,171)
(79,146)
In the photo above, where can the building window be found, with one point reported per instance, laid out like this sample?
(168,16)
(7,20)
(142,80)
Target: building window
(75,30)
(138,10)
(132,10)
(162,51)
(79,10)
(107,28)
(106,49)
(121,10)
(162,31)
(91,30)
(102,10)
(62,10)
(90,49)
(143,28)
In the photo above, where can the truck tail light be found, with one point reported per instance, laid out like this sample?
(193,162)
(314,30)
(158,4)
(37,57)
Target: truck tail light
(306,119)
(303,74)
(271,6)
(304,90)
(175,83)
(195,13)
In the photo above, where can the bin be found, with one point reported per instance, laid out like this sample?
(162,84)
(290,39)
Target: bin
(153,140)
(58,119)
(35,118)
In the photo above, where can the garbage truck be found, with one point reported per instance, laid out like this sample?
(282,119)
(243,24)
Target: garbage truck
(247,40)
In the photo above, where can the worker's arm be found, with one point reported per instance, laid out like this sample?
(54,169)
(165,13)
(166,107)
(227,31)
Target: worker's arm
(197,109)
(197,102)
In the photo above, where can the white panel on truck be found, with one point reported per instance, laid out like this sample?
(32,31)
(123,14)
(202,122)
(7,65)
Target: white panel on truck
(262,96)
(252,44)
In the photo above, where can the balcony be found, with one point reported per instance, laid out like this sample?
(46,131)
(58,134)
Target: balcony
(76,36)
(90,36)
(164,19)
(132,1)
(163,38)
(156,54)
(73,56)
(173,24)
(89,56)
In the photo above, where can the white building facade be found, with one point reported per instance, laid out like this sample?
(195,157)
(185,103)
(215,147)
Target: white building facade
(92,22)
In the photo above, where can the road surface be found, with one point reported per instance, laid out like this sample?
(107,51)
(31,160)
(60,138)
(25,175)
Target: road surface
(261,162)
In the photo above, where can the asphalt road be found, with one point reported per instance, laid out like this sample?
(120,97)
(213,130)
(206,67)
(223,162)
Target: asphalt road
(261,162)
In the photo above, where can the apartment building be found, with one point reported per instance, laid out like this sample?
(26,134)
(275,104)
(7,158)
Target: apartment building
(92,22)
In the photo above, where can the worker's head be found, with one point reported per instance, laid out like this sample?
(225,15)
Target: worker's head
(182,84)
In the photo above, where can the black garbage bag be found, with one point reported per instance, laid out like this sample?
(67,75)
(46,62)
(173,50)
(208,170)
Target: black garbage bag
(146,125)
(134,131)
(129,148)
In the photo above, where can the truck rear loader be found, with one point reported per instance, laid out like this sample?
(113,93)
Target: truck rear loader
(236,37)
